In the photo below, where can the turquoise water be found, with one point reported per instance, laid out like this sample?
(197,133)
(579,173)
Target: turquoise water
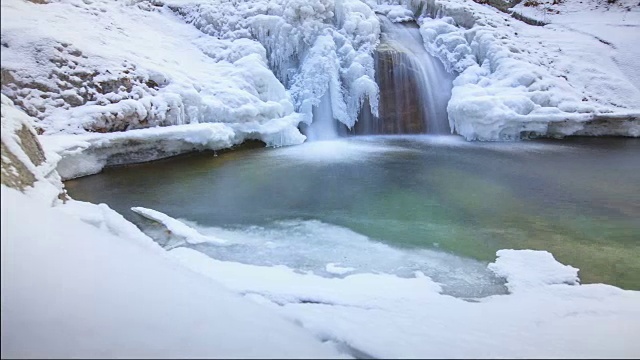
(436,200)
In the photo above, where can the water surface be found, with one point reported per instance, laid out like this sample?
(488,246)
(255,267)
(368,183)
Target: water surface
(400,204)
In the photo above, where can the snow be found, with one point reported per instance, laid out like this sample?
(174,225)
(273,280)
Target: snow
(338,270)
(395,13)
(314,47)
(89,153)
(176,228)
(614,24)
(128,65)
(516,80)
(70,289)
(263,66)
(13,120)
(546,314)
(516,265)
(85,282)
(138,80)
(384,316)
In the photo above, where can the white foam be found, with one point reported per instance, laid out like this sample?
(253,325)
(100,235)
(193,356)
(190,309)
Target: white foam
(343,150)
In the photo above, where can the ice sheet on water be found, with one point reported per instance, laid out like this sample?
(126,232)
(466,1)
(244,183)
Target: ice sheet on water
(317,247)
(387,316)
(176,227)
(333,268)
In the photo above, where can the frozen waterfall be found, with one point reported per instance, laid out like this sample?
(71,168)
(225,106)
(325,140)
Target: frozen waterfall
(324,125)
(414,86)
(414,90)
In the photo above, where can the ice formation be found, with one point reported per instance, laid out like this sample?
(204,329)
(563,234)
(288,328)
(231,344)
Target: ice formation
(176,228)
(314,47)
(265,66)
(516,80)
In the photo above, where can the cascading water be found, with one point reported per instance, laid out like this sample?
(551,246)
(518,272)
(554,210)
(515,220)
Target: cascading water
(414,90)
(414,86)
(324,126)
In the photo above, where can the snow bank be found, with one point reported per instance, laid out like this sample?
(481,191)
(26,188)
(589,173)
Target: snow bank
(516,80)
(129,65)
(85,282)
(527,269)
(614,24)
(384,316)
(89,153)
(70,289)
(176,228)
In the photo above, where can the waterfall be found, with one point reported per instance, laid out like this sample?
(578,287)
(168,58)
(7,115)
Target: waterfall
(324,126)
(414,86)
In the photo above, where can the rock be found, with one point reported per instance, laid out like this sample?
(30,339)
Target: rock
(23,160)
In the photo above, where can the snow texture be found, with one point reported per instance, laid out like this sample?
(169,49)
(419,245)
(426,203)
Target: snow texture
(516,266)
(264,65)
(176,228)
(128,65)
(517,80)
(44,173)
(314,47)
(89,153)
(74,288)
(385,316)
(338,270)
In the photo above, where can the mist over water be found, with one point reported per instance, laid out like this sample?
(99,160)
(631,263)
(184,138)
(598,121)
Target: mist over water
(379,203)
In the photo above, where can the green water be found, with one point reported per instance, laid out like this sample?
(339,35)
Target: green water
(578,198)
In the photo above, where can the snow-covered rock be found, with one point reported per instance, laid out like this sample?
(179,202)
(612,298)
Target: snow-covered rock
(89,153)
(24,163)
(529,269)
(516,80)
(129,65)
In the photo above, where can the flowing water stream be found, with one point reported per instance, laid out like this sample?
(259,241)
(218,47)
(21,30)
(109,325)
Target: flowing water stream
(414,90)
(435,204)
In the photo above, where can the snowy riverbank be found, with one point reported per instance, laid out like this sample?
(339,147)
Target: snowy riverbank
(85,282)
(78,280)
(144,64)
